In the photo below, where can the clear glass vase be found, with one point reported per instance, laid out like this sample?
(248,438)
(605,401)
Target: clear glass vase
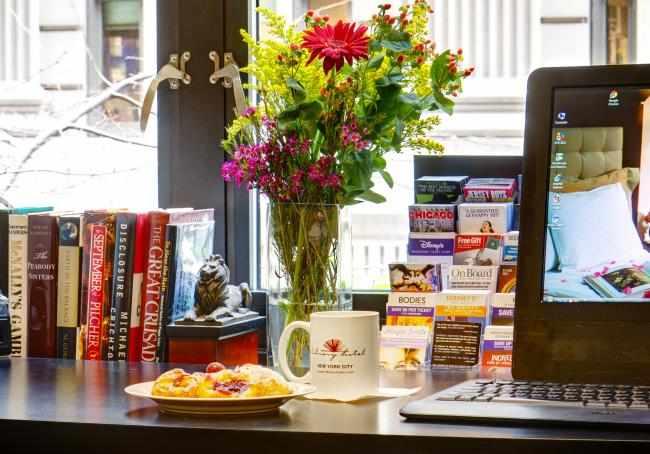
(308,264)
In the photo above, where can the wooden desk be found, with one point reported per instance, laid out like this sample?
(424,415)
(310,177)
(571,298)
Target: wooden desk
(80,406)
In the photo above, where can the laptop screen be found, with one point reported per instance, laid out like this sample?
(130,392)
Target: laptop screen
(596,249)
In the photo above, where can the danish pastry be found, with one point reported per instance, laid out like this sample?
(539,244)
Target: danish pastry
(176,383)
(244,381)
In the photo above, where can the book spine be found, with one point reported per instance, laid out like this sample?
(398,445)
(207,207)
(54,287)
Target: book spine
(118,339)
(41,285)
(152,285)
(139,265)
(4,252)
(18,283)
(166,289)
(67,320)
(96,276)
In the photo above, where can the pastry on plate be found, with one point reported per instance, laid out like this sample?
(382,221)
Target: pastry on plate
(243,381)
(176,383)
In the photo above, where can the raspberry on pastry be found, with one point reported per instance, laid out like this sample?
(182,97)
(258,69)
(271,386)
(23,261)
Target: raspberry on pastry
(223,384)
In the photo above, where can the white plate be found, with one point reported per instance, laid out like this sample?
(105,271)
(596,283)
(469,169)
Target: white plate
(217,406)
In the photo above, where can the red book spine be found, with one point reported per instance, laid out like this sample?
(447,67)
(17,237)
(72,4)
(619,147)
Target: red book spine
(139,265)
(42,253)
(96,275)
(150,311)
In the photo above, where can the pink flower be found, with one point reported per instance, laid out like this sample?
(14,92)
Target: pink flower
(627,290)
(296,181)
(332,181)
(315,174)
(230,171)
(335,45)
(249,112)
(350,136)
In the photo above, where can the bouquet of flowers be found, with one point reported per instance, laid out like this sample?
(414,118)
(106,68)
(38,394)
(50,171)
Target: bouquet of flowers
(333,100)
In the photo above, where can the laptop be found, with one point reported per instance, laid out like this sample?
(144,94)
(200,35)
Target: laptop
(582,324)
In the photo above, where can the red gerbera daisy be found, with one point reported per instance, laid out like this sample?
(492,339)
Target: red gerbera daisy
(336,44)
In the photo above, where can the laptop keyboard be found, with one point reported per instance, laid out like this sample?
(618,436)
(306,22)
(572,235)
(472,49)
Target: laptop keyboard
(546,393)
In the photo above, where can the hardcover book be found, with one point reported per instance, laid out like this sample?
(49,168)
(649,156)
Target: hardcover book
(150,310)
(42,251)
(4,251)
(431,248)
(67,320)
(120,310)
(432,218)
(18,304)
(415,277)
(459,321)
(470,277)
(625,281)
(141,248)
(490,190)
(98,240)
(5,213)
(194,242)
(478,249)
(440,189)
(484,217)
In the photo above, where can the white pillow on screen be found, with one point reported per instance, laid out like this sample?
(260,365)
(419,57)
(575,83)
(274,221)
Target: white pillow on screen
(550,257)
(595,228)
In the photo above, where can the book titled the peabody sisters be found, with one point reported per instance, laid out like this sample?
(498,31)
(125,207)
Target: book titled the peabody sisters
(623,281)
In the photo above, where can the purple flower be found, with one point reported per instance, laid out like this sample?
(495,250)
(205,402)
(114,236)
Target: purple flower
(315,174)
(296,181)
(332,181)
(230,171)
(249,112)
(350,136)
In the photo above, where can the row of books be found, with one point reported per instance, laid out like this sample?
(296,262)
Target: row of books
(100,285)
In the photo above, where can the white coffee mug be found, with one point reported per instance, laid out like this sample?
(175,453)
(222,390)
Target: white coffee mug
(344,353)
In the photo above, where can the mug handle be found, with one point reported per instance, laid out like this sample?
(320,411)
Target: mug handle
(282,347)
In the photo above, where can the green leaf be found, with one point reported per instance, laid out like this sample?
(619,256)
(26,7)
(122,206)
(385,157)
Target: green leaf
(410,98)
(443,103)
(387,178)
(376,61)
(388,97)
(297,89)
(378,162)
(396,46)
(304,110)
(397,136)
(372,196)
(439,72)
(310,110)
(375,45)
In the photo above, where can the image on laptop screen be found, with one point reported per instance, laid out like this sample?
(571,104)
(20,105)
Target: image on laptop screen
(596,234)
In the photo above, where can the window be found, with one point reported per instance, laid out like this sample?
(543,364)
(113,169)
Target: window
(71,82)
(505,41)
(619,31)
